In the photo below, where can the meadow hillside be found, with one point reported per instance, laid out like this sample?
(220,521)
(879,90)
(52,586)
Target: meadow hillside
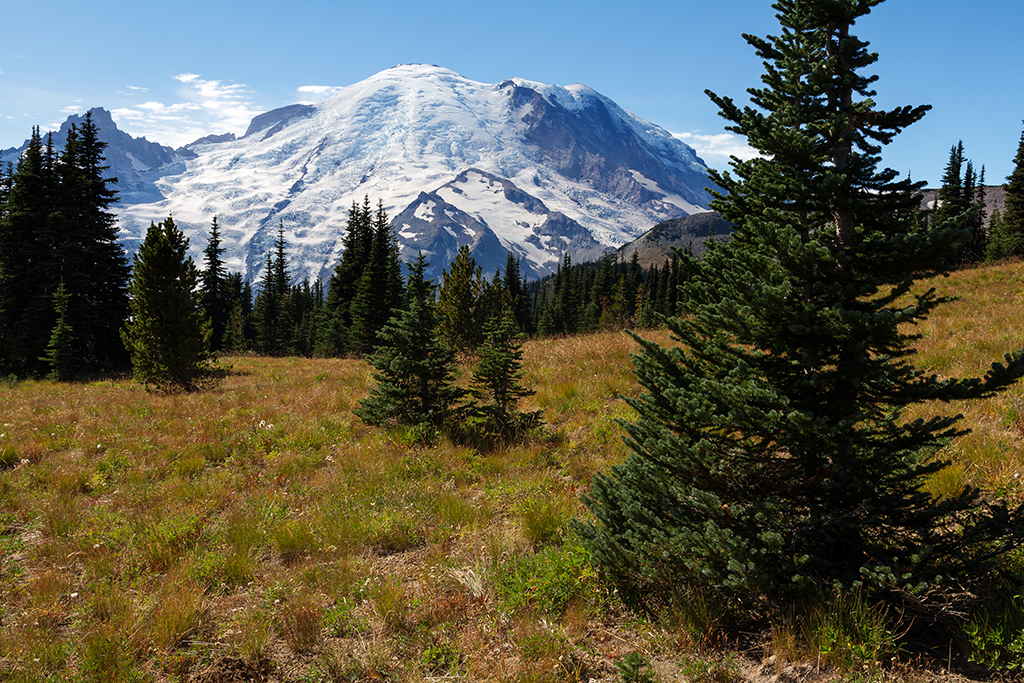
(259,531)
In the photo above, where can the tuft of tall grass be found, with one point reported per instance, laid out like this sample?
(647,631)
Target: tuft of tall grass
(300,623)
(393,606)
(179,614)
(545,520)
(842,629)
(293,539)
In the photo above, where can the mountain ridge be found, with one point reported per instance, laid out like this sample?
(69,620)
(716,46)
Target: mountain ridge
(597,176)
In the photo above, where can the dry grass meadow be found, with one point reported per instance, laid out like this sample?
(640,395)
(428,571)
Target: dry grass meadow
(259,531)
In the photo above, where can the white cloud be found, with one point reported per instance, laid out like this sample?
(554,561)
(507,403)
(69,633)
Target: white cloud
(718,149)
(318,92)
(204,107)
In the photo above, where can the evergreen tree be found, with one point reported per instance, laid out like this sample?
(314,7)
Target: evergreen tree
(770,453)
(271,312)
(60,356)
(414,371)
(344,282)
(961,199)
(212,287)
(498,376)
(1013,208)
(379,289)
(512,283)
(238,335)
(56,227)
(98,278)
(26,307)
(168,333)
(950,200)
(979,222)
(461,309)
(997,244)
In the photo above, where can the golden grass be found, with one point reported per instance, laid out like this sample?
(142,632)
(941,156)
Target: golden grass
(962,339)
(149,534)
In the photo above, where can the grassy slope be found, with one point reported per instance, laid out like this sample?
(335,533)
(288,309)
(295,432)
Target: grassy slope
(148,537)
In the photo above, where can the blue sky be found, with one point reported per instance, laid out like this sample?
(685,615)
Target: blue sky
(176,71)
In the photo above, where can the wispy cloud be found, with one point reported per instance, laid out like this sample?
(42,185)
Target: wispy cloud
(316,93)
(203,107)
(718,149)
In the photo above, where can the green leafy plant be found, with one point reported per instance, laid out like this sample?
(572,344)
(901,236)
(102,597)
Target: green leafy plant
(546,581)
(994,636)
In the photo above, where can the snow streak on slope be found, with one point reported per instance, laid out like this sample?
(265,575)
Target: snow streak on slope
(411,130)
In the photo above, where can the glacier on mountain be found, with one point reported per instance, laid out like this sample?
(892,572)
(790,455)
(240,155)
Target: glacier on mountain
(517,166)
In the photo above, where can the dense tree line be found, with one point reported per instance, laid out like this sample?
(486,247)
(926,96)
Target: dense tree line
(961,202)
(608,294)
(63,274)
(64,277)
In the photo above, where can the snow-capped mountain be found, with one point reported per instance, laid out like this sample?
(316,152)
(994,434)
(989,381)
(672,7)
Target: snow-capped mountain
(518,166)
(136,162)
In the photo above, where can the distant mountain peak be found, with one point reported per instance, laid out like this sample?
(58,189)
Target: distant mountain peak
(518,166)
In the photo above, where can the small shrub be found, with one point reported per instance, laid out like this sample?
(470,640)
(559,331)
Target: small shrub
(840,629)
(994,636)
(341,620)
(394,532)
(250,633)
(229,568)
(107,654)
(696,612)
(43,649)
(635,668)
(701,669)
(166,542)
(547,581)
(61,517)
(179,613)
(392,606)
(190,466)
(441,659)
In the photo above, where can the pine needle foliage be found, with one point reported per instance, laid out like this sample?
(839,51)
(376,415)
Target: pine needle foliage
(168,333)
(1013,215)
(498,378)
(414,372)
(770,453)
(60,354)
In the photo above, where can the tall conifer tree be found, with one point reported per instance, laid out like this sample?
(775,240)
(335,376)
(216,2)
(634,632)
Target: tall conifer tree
(1012,225)
(212,287)
(100,291)
(414,371)
(344,282)
(460,310)
(271,313)
(26,266)
(168,334)
(379,289)
(770,453)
